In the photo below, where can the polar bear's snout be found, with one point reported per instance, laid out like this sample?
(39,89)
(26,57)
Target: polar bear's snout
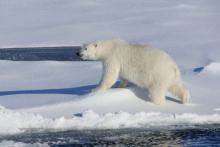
(79,54)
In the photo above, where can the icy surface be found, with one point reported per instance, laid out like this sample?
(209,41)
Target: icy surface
(46,95)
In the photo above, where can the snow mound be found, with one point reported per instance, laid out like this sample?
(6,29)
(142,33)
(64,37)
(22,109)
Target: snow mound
(18,122)
(213,68)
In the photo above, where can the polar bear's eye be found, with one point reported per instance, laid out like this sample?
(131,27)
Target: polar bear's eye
(95,45)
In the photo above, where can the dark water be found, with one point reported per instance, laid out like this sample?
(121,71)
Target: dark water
(40,53)
(195,136)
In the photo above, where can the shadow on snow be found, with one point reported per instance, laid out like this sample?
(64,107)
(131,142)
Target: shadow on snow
(139,92)
(75,91)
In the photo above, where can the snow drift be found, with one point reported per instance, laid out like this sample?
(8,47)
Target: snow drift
(213,68)
(18,122)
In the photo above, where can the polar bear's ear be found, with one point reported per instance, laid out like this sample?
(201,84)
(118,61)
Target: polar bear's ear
(95,45)
(84,44)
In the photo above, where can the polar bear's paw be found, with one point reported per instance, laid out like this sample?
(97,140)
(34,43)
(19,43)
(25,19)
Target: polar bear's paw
(160,101)
(185,97)
(98,90)
(157,96)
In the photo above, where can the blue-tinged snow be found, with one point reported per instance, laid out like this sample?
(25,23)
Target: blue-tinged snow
(46,95)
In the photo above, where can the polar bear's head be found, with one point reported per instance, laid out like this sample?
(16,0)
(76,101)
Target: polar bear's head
(89,52)
(99,50)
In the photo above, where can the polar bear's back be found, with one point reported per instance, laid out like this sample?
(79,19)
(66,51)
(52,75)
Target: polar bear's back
(143,63)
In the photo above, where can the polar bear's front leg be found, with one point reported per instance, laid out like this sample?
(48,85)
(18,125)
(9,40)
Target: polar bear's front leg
(110,76)
(157,95)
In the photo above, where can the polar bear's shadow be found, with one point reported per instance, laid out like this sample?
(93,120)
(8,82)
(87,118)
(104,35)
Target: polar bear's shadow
(144,94)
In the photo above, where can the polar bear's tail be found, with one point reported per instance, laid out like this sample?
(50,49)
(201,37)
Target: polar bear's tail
(178,89)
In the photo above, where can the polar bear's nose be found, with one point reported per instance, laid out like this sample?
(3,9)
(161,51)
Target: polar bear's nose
(78,54)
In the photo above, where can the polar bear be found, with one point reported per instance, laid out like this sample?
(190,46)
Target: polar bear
(145,66)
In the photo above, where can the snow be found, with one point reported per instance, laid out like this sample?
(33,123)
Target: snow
(93,120)
(6,143)
(213,68)
(46,95)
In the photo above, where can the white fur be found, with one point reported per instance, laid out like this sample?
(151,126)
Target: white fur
(143,65)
